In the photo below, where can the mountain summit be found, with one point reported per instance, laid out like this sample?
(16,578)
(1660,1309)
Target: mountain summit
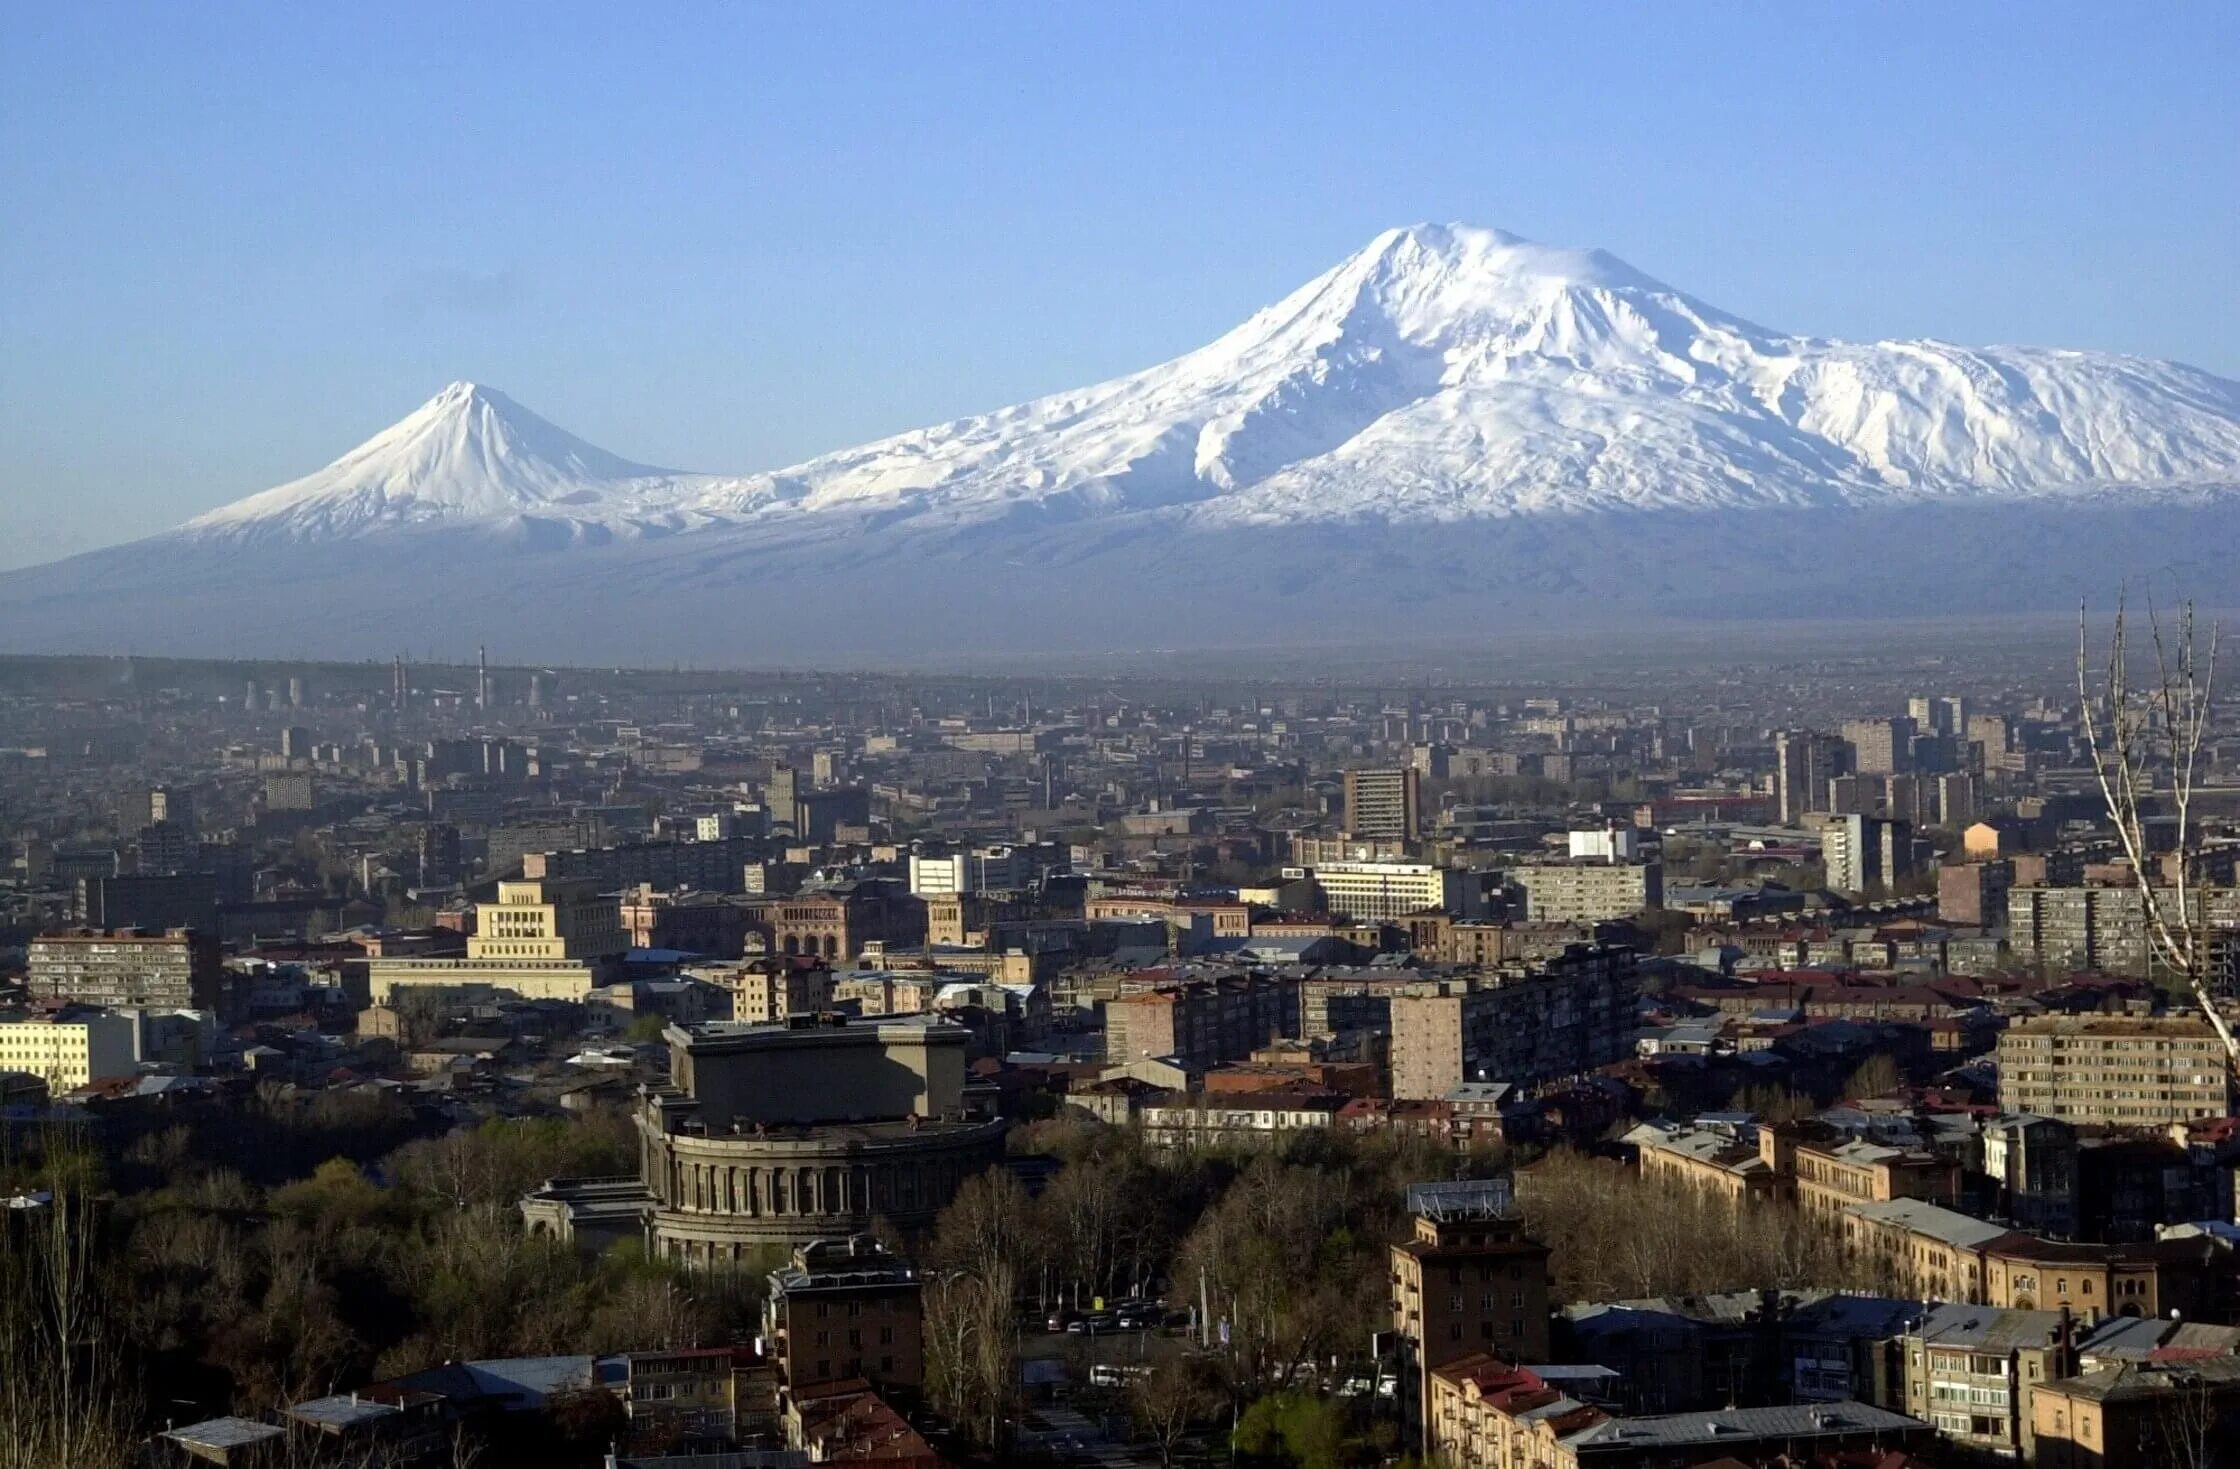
(470,454)
(1482,422)
(1447,372)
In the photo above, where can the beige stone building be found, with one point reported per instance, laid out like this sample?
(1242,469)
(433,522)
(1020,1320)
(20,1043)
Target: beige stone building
(1924,1249)
(819,1128)
(2134,1415)
(71,1052)
(542,939)
(765,992)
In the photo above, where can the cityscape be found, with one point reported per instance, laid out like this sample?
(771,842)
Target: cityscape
(1488,865)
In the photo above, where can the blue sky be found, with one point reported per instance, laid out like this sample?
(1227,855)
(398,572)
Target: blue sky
(235,239)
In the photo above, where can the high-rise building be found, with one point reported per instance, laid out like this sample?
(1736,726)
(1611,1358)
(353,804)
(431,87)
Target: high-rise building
(1989,731)
(152,900)
(289,791)
(1880,746)
(1956,801)
(1974,893)
(1860,852)
(439,854)
(1804,761)
(781,794)
(1201,1024)
(1910,798)
(165,849)
(295,743)
(1384,802)
(295,691)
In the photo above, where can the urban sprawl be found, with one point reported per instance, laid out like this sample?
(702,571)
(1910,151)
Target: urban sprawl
(1808,1063)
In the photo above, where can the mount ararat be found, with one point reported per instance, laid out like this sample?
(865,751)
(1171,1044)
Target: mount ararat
(1454,433)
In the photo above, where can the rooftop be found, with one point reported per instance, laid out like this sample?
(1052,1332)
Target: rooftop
(1933,1220)
(1744,1425)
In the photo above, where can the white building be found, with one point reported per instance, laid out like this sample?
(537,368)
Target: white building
(70,1053)
(1608,844)
(1376,891)
(982,869)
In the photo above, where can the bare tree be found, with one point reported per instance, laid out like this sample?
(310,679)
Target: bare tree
(1168,1399)
(972,1349)
(2146,749)
(2186,1430)
(67,1398)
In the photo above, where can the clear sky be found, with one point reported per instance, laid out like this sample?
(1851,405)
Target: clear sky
(235,238)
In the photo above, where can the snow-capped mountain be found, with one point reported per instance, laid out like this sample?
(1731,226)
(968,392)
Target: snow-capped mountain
(469,456)
(1449,373)
(1451,419)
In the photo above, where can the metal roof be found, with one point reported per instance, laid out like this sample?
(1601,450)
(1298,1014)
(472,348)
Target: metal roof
(1744,1425)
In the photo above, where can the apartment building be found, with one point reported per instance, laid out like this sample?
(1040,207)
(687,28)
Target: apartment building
(1488,1414)
(180,969)
(1821,1168)
(1588,891)
(1523,1023)
(2061,929)
(1974,893)
(1924,1249)
(1880,746)
(1861,851)
(1971,1372)
(2123,1070)
(1384,803)
(846,1309)
(1238,1119)
(1201,1023)
(1833,1172)
(1468,1280)
(766,993)
(1804,762)
(2137,1413)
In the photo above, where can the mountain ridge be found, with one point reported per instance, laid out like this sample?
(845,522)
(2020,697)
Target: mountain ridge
(1508,424)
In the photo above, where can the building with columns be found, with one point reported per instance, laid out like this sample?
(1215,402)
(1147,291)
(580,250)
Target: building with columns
(774,1136)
